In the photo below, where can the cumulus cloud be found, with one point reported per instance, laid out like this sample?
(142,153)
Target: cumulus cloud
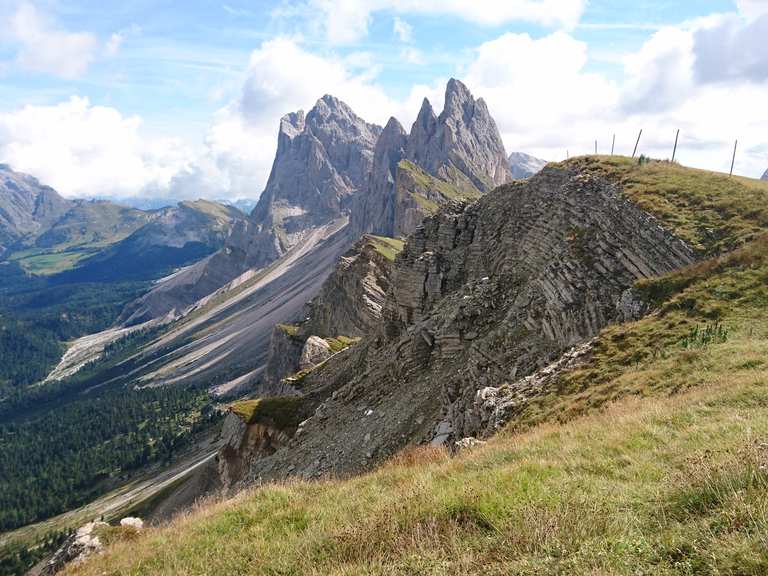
(546,102)
(348,20)
(43,47)
(752,8)
(242,139)
(86,150)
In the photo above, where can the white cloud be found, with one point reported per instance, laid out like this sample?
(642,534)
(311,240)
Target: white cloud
(45,48)
(413,56)
(752,8)
(114,43)
(347,21)
(402,30)
(85,150)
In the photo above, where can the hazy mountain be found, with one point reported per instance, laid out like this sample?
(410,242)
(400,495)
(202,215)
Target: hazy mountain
(26,207)
(172,237)
(524,165)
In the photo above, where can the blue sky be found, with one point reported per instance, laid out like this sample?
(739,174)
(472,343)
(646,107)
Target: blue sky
(183,98)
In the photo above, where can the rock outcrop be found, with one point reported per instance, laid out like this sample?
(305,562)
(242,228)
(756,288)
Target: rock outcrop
(349,305)
(523,166)
(482,297)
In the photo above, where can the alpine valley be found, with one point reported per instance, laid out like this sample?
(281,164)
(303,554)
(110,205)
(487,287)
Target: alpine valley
(418,354)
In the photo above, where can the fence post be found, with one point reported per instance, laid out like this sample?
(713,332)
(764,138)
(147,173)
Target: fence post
(674,151)
(637,143)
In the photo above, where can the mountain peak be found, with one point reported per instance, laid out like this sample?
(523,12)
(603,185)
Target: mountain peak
(457,91)
(393,126)
(765,176)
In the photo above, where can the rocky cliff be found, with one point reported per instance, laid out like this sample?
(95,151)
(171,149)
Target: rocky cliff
(348,306)
(455,156)
(481,297)
(323,161)
(765,176)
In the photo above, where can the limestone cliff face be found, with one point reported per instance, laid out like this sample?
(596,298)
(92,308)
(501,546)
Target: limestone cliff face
(482,295)
(455,156)
(244,444)
(374,211)
(464,137)
(323,161)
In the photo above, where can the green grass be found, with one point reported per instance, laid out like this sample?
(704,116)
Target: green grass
(282,412)
(46,263)
(291,330)
(712,212)
(340,343)
(387,247)
(463,193)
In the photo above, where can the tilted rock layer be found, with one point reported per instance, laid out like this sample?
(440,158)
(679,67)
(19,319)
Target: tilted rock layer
(481,296)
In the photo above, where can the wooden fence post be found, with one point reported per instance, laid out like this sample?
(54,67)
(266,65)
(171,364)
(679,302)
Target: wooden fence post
(674,151)
(637,143)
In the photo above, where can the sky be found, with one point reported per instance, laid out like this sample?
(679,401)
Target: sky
(182,99)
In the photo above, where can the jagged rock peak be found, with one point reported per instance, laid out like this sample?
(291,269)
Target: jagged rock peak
(463,138)
(457,96)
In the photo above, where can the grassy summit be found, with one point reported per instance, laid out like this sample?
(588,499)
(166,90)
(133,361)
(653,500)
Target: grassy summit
(652,458)
(711,211)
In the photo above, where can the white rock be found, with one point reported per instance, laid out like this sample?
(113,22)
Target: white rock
(133,522)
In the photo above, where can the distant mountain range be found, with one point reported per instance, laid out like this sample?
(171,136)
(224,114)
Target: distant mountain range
(524,165)
(99,239)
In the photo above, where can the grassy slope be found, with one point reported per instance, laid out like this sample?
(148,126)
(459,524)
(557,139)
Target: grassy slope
(459,192)
(676,483)
(387,247)
(709,210)
(82,232)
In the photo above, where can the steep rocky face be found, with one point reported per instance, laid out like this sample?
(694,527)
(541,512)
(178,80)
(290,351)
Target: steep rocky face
(481,297)
(452,157)
(374,211)
(323,160)
(26,207)
(464,137)
(349,305)
(765,176)
(523,166)
(243,444)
